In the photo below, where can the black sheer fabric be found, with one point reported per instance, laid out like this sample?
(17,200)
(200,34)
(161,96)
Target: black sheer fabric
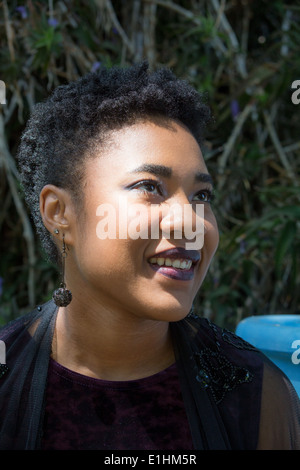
(206,425)
(28,347)
(234,397)
(279,426)
(249,402)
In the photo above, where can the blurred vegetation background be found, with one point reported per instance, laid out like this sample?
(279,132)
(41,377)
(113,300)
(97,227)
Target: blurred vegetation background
(244,54)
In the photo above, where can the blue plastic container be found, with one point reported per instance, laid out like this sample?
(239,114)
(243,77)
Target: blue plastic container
(278,337)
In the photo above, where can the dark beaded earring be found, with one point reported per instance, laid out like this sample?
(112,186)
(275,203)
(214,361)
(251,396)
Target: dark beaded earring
(62,296)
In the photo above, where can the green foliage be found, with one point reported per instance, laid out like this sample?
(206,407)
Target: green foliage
(244,57)
(46,43)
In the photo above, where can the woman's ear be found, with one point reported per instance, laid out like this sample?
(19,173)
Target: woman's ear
(57,210)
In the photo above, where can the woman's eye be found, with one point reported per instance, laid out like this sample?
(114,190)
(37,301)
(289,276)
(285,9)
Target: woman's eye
(205,195)
(148,187)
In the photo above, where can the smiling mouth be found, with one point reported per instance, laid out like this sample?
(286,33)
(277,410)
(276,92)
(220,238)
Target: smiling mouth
(176,263)
(184,264)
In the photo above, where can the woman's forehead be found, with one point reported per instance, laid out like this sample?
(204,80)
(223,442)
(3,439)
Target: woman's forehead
(147,145)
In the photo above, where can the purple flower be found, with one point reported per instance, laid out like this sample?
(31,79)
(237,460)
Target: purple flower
(243,246)
(52,22)
(95,66)
(235,109)
(23,11)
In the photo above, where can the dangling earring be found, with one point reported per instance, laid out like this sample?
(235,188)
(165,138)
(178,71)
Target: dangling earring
(62,296)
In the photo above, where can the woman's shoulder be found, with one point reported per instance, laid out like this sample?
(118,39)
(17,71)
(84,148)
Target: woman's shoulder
(223,348)
(207,334)
(224,360)
(239,375)
(13,328)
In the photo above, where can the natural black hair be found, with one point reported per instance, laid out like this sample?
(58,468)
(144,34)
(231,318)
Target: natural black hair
(63,129)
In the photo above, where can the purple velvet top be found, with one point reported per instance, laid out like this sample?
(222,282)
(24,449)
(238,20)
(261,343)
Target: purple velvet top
(85,413)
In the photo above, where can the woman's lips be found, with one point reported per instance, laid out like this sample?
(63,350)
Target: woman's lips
(174,273)
(178,253)
(188,258)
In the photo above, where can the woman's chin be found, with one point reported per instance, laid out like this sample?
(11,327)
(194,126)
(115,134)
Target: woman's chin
(168,312)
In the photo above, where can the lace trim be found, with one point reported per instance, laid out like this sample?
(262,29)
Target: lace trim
(214,370)
(236,341)
(218,374)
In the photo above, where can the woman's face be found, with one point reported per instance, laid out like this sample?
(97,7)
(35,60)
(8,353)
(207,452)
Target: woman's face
(122,253)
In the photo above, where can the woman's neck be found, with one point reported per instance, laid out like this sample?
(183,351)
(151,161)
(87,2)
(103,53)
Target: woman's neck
(110,345)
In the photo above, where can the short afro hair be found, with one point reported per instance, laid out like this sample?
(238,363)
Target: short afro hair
(62,130)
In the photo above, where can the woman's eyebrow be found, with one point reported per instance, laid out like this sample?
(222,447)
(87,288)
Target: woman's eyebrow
(156,170)
(204,178)
(166,172)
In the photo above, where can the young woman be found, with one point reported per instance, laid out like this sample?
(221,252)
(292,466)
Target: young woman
(117,360)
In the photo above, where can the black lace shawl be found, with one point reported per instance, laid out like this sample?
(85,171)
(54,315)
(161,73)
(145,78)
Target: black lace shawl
(219,374)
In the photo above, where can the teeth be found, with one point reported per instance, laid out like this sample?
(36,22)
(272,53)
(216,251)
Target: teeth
(175,263)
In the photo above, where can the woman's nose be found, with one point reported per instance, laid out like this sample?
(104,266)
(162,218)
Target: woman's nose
(182,220)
